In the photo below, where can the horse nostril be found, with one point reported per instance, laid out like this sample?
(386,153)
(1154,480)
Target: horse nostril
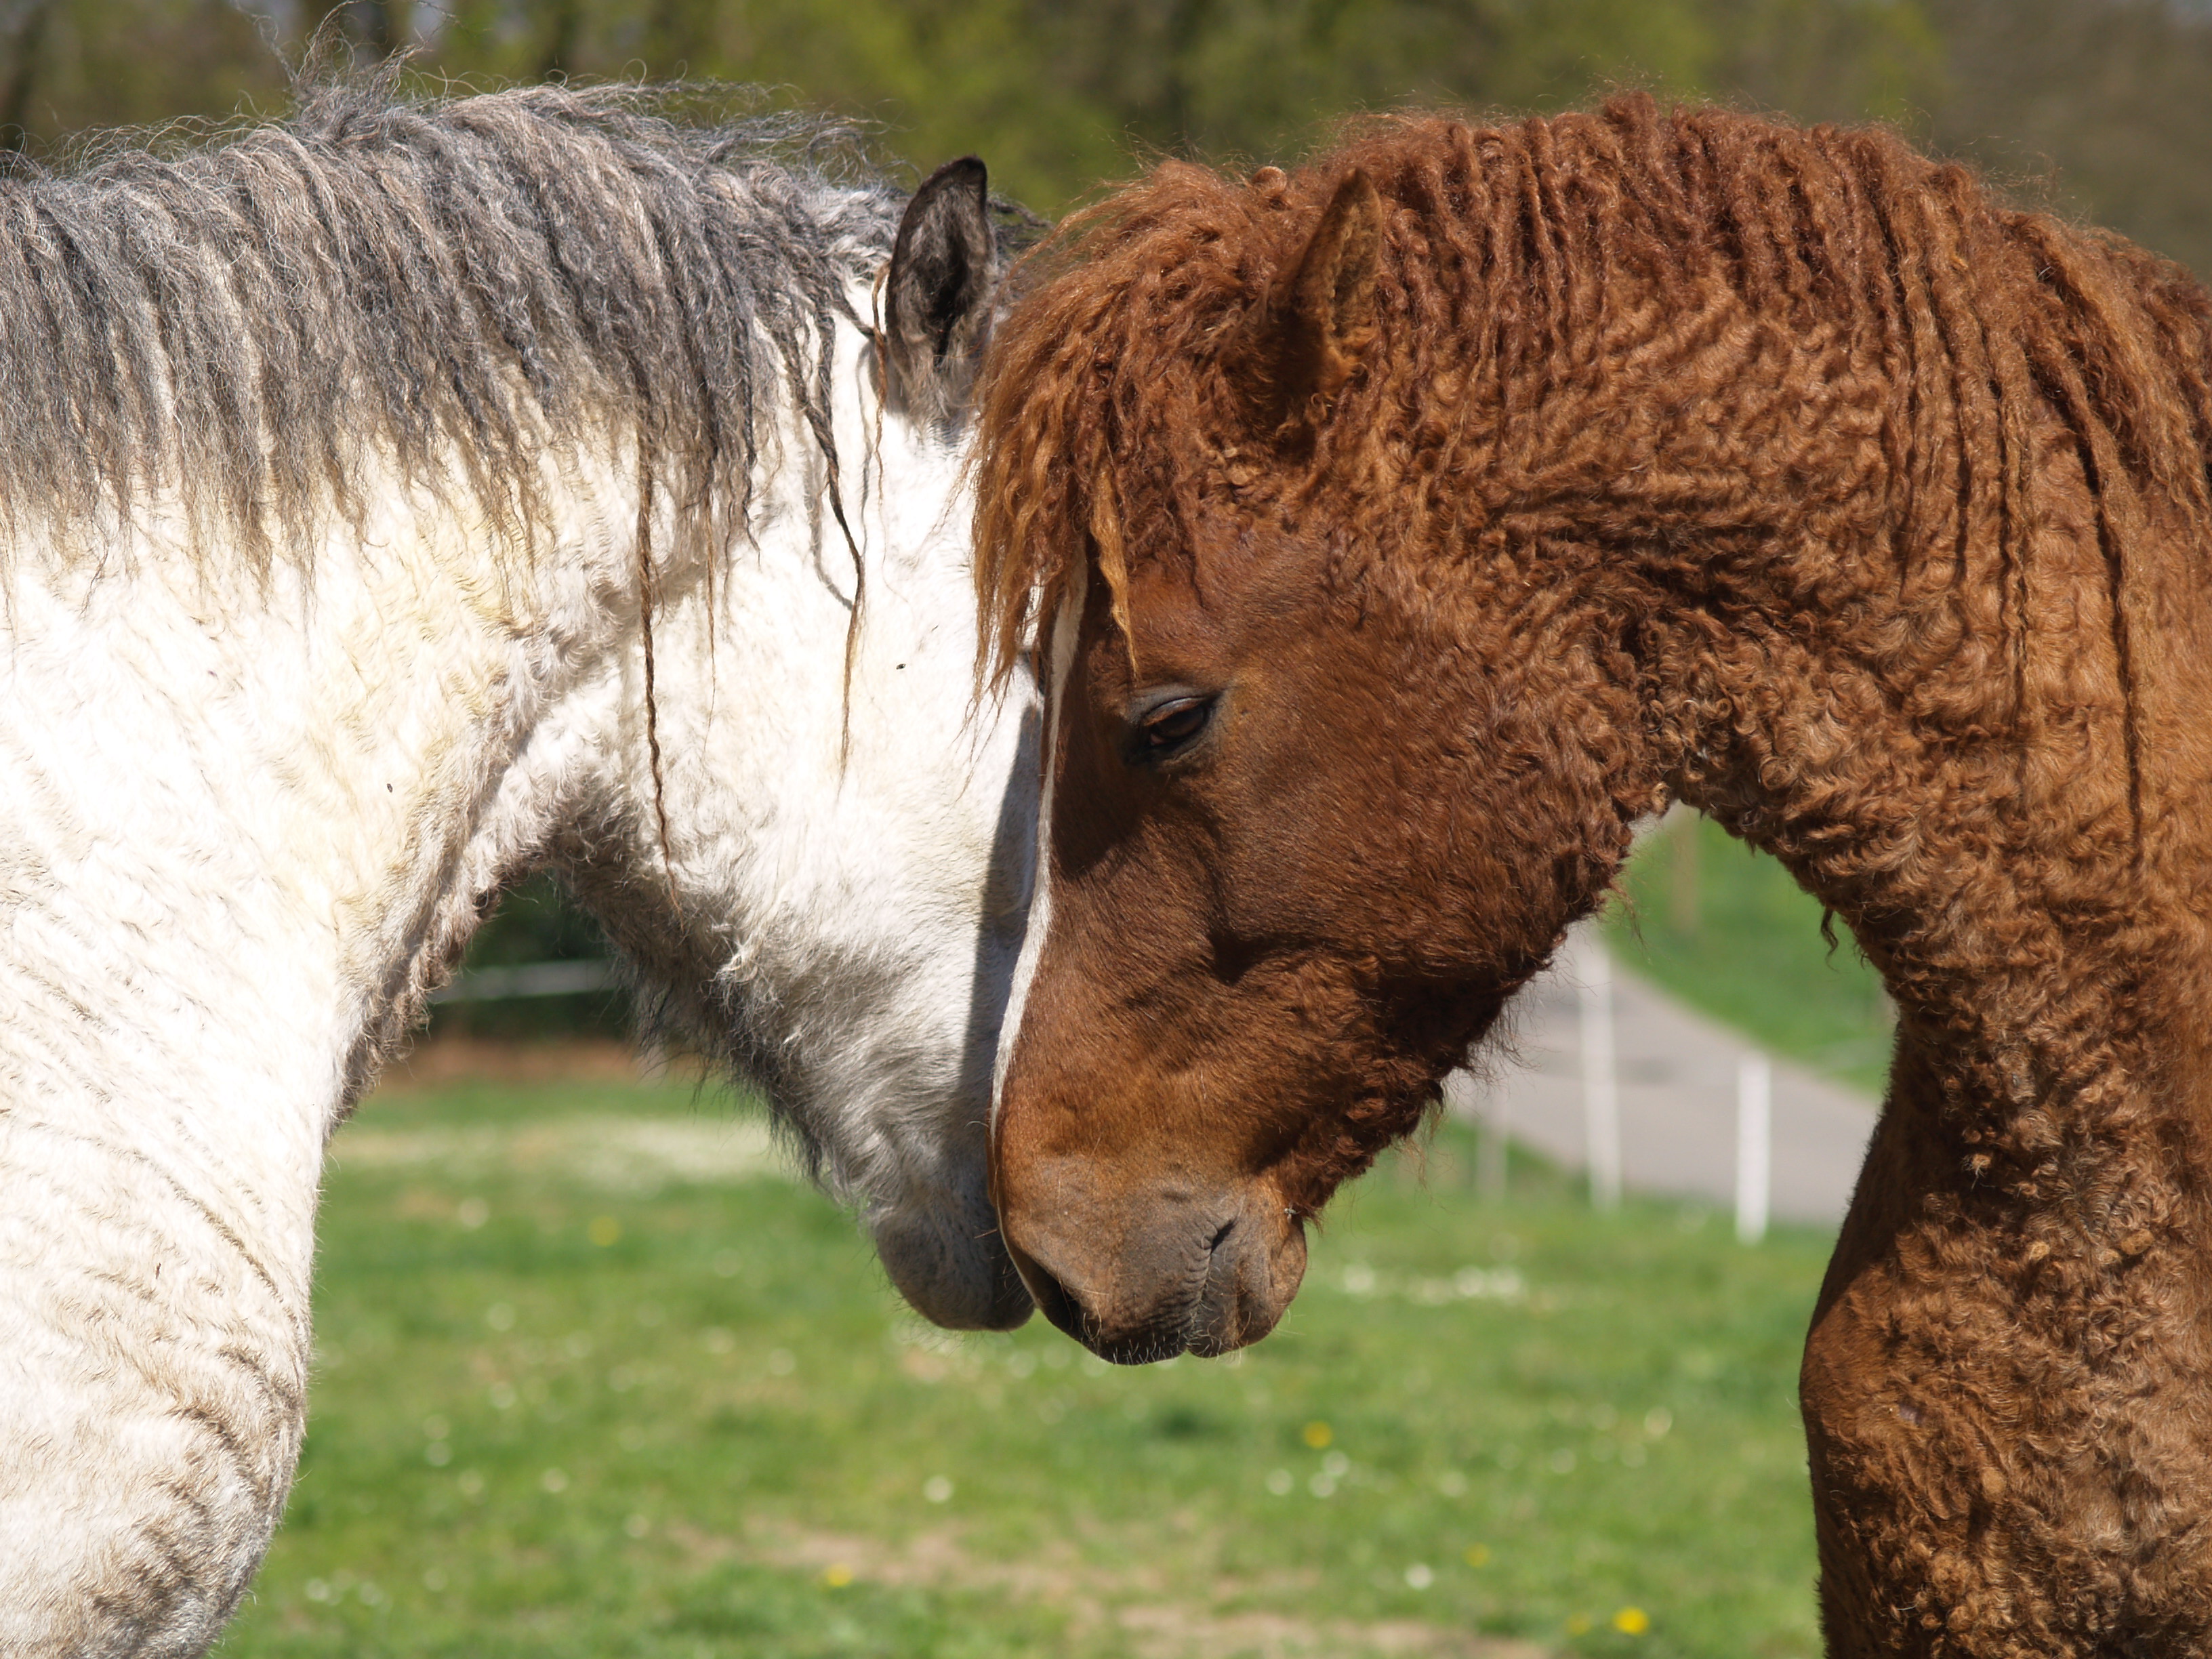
(1223,1231)
(1053,1299)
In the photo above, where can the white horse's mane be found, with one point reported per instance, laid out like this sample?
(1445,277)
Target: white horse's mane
(236,324)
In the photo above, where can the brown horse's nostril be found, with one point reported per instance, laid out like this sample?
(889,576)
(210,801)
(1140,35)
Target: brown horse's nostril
(1053,1299)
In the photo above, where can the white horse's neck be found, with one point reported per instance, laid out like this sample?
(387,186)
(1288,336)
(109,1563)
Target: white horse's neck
(285,792)
(236,838)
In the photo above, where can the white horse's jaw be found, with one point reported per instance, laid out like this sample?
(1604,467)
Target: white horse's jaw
(938,1235)
(854,870)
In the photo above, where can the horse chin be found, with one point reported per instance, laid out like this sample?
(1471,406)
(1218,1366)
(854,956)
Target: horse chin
(1189,1277)
(951,1267)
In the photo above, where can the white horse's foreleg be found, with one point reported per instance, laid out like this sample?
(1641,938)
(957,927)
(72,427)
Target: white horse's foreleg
(153,1382)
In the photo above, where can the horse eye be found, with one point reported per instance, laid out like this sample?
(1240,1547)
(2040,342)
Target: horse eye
(1171,727)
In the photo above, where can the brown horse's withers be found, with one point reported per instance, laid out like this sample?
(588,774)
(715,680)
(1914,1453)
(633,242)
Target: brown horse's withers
(1401,531)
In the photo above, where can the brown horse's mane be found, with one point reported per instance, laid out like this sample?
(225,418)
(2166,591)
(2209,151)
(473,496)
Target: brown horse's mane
(1523,259)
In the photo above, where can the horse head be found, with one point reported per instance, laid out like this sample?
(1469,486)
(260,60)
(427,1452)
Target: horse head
(1304,815)
(817,856)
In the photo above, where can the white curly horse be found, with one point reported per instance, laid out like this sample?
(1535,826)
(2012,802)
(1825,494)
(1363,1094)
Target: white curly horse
(395,499)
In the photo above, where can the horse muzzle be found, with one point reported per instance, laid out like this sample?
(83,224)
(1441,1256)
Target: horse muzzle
(1142,1277)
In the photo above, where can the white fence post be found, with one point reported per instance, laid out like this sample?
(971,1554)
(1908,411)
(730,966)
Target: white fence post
(1754,1145)
(1490,1148)
(1601,1087)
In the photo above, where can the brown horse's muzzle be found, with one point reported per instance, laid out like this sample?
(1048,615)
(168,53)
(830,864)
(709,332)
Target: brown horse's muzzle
(1140,1274)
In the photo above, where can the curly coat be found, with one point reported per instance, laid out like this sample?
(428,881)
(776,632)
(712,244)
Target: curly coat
(1783,473)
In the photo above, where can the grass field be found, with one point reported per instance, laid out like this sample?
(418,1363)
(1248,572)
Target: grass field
(1728,931)
(592,1380)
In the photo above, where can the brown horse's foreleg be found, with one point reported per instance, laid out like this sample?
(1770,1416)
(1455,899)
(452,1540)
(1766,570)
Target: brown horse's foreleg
(2005,1394)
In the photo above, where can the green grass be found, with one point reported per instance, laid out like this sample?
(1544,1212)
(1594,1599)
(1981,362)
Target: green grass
(625,1414)
(1730,931)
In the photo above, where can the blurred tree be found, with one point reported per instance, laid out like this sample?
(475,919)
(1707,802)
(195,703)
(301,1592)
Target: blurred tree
(66,65)
(537,921)
(2102,108)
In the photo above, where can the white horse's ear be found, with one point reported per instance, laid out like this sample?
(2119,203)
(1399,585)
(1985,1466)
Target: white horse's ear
(937,314)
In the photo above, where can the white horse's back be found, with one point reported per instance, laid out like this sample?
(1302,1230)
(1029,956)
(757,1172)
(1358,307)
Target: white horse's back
(326,613)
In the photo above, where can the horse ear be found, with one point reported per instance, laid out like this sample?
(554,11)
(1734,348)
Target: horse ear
(1307,337)
(936,312)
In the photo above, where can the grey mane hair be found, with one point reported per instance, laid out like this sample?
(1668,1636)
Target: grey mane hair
(456,282)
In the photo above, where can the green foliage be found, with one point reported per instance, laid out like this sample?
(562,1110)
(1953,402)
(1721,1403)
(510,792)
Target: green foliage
(1730,931)
(2099,105)
(537,922)
(1059,98)
(626,1415)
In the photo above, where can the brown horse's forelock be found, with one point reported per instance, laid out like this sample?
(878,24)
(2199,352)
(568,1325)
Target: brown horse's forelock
(1110,344)
(1513,256)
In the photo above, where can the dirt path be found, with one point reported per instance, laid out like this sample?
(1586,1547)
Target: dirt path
(1676,1072)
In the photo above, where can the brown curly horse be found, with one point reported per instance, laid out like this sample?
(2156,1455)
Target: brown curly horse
(1402,530)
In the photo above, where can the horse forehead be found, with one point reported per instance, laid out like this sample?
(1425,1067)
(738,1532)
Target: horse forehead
(1184,618)
(1246,587)
(1180,643)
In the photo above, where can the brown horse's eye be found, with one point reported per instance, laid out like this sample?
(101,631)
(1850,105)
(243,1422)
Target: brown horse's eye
(1169,727)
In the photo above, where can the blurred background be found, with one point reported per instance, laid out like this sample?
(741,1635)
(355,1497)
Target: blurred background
(2098,106)
(595,1377)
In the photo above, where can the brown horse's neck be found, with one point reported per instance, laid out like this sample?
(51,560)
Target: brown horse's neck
(1887,525)
(2003,786)
(1881,511)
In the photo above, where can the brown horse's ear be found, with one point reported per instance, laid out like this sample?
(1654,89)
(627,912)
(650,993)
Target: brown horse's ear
(1304,340)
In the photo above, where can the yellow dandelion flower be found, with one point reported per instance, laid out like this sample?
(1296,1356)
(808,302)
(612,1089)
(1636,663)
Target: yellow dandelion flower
(1579,1625)
(1318,1435)
(1478,1555)
(836,1575)
(604,1231)
(1631,1621)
